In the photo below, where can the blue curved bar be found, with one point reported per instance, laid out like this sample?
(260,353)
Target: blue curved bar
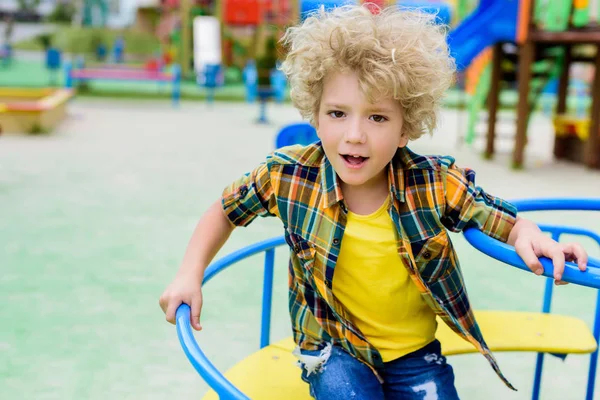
(211,375)
(505,253)
(508,255)
(238,255)
(557,204)
(201,363)
(558,230)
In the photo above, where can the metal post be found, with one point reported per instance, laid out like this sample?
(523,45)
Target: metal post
(265,328)
(594,357)
(539,365)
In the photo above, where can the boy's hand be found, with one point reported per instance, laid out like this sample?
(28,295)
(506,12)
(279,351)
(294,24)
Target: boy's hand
(184,289)
(531,245)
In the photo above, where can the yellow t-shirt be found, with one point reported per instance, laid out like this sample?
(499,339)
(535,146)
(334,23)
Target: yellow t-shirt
(374,286)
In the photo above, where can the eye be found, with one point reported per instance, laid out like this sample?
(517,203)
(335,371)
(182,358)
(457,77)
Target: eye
(336,114)
(378,118)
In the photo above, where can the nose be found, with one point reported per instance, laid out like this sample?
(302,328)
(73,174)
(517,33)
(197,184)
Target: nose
(355,132)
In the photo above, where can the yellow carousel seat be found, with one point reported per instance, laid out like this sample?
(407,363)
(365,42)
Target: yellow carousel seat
(272,372)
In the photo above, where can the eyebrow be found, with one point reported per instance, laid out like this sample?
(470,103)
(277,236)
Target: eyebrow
(380,109)
(332,105)
(370,109)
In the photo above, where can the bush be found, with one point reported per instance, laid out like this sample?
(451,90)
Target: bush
(83,40)
(62,13)
(45,40)
(267,63)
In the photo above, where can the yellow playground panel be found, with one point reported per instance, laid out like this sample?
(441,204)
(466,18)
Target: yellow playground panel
(566,125)
(273,369)
(32,110)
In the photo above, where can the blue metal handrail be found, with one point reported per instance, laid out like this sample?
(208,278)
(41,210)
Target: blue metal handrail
(591,278)
(215,379)
(572,274)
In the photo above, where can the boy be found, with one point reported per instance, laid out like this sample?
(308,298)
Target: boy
(366,219)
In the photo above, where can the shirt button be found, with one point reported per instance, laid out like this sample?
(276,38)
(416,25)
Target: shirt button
(297,248)
(243,191)
(336,241)
(427,255)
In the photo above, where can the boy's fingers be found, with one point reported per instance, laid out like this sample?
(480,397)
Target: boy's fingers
(558,260)
(171,310)
(578,252)
(525,251)
(195,314)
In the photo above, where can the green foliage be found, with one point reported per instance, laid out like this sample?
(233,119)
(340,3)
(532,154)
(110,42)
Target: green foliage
(268,62)
(62,13)
(27,5)
(80,40)
(37,129)
(45,40)
(233,75)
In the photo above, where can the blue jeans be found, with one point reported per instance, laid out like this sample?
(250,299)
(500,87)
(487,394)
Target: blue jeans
(421,375)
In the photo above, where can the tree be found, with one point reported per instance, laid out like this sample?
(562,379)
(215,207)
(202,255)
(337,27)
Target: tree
(28,5)
(63,13)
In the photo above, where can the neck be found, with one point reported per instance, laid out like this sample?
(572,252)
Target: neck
(367,198)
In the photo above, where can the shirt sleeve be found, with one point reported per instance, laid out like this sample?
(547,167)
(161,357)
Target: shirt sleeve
(468,205)
(250,196)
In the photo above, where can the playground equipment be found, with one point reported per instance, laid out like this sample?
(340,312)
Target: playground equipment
(301,133)
(276,89)
(118,50)
(548,36)
(32,110)
(442,10)
(271,369)
(211,78)
(245,25)
(6,55)
(53,63)
(95,12)
(207,45)
(76,74)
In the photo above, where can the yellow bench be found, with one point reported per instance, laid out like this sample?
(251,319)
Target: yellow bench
(272,371)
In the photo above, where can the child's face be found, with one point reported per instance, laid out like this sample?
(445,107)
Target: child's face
(359,138)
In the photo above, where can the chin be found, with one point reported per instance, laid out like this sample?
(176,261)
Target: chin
(353,180)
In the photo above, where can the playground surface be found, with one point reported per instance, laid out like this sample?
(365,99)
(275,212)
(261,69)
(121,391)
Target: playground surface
(97,216)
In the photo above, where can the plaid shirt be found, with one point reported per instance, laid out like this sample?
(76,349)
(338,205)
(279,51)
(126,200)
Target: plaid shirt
(431,195)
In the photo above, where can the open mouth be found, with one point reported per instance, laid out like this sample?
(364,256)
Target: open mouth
(354,161)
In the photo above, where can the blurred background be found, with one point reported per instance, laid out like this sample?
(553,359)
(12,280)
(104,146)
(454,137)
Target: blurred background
(121,121)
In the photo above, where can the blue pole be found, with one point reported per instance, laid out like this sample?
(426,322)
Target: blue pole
(262,119)
(265,328)
(210,95)
(539,365)
(176,84)
(68,75)
(594,356)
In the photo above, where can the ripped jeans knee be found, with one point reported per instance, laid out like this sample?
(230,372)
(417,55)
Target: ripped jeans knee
(313,361)
(334,374)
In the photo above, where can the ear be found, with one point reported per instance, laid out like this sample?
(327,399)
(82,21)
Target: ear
(403,140)
(316,125)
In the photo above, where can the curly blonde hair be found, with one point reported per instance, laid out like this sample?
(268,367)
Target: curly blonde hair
(396,53)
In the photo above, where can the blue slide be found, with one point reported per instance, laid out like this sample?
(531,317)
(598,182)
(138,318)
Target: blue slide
(492,22)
